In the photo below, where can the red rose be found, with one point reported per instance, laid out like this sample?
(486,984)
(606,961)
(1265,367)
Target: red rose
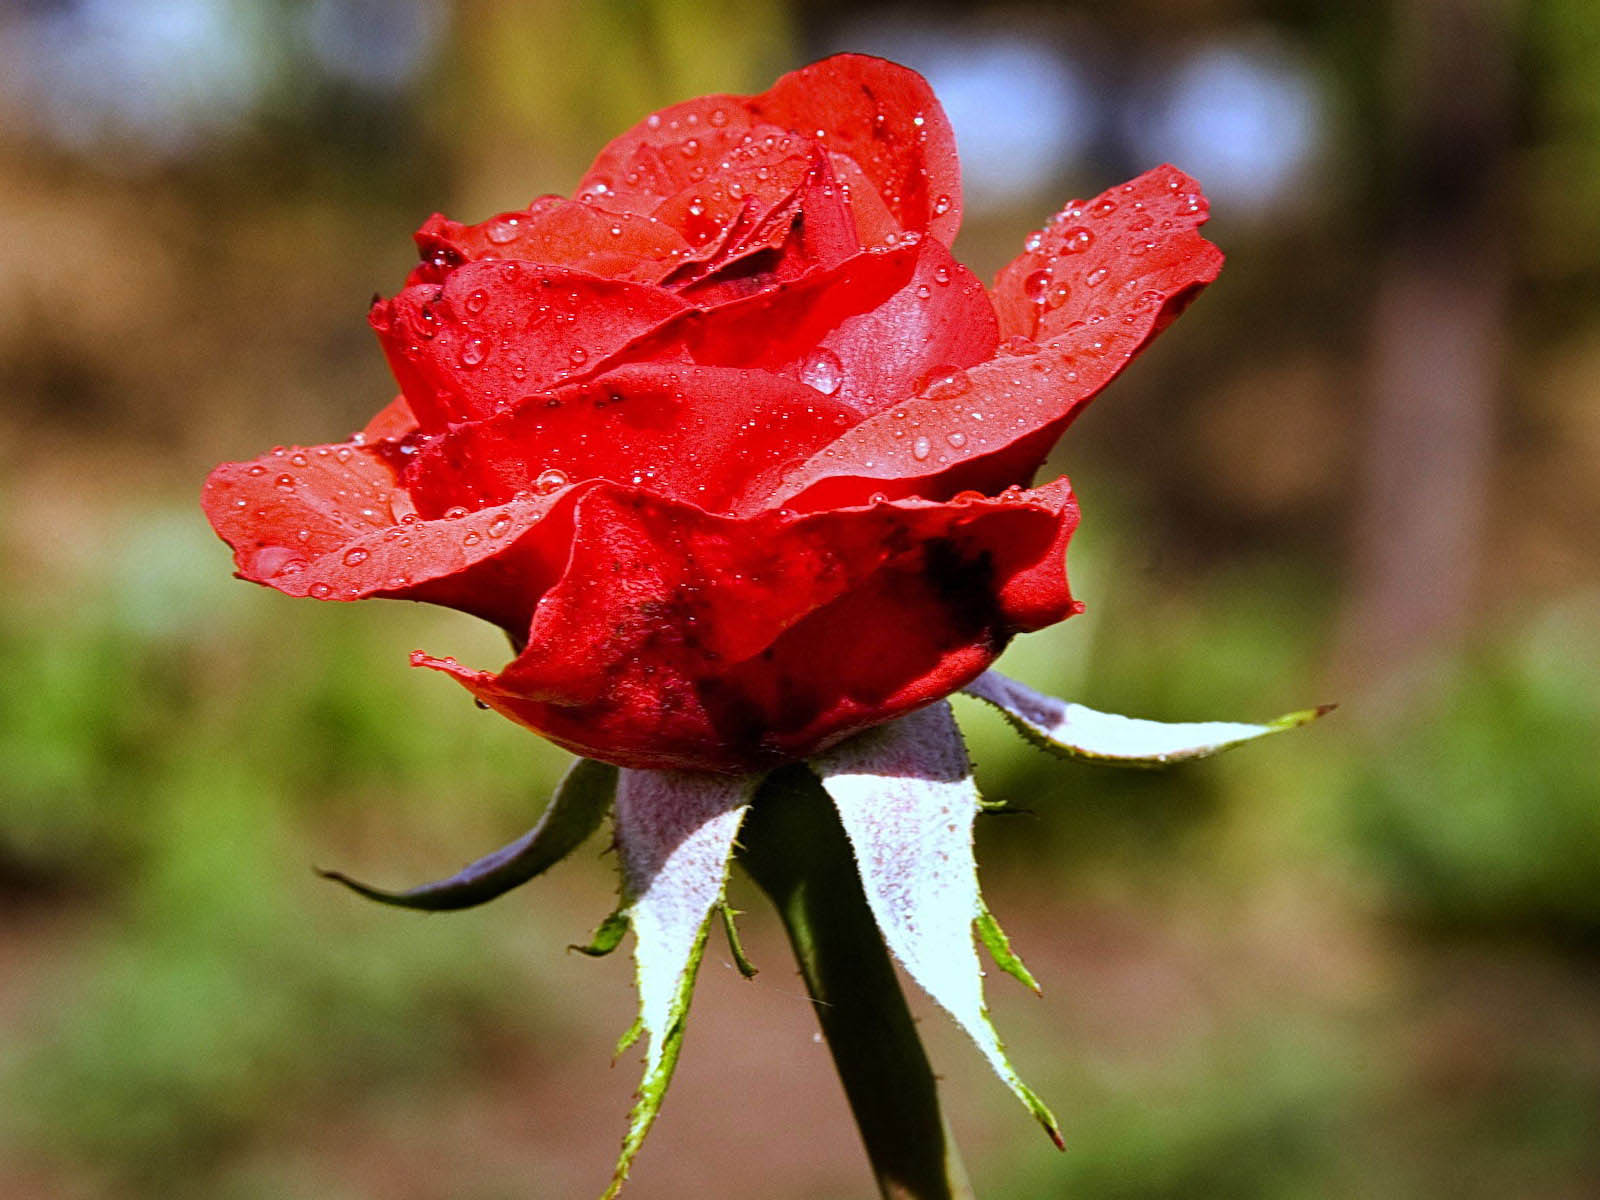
(729,444)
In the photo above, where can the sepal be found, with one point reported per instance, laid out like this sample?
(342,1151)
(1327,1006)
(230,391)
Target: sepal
(1073,731)
(580,802)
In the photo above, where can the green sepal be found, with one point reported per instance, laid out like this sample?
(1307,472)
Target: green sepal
(630,1035)
(736,948)
(607,936)
(581,800)
(653,1088)
(998,944)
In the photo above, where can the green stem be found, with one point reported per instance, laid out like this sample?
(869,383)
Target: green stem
(794,848)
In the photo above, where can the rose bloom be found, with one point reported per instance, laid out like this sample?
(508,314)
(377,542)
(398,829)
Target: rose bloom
(728,443)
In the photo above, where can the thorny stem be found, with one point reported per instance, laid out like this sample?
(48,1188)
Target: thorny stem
(794,848)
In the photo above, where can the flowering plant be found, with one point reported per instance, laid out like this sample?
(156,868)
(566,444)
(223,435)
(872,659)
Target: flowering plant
(738,456)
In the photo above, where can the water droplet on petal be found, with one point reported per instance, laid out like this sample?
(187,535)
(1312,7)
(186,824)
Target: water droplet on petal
(921,448)
(455,513)
(355,557)
(321,590)
(579,356)
(1104,209)
(1034,241)
(550,480)
(285,481)
(945,383)
(499,526)
(941,206)
(957,439)
(1096,277)
(822,371)
(1077,240)
(502,230)
(1036,286)
(473,352)
(941,276)
(476,300)
(471,539)
(258,469)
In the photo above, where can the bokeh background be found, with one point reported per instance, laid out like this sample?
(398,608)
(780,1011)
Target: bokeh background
(1363,959)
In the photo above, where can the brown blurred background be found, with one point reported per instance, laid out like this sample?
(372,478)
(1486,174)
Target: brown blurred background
(1363,959)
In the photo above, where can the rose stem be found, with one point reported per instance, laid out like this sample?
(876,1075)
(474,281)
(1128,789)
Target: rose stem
(794,848)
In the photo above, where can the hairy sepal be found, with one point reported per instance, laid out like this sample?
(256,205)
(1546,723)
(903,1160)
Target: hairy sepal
(1070,730)
(675,833)
(906,797)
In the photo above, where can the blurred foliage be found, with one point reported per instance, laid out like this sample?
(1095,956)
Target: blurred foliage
(1358,960)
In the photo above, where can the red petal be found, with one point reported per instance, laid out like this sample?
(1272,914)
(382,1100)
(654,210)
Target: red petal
(393,421)
(680,639)
(868,333)
(557,232)
(992,426)
(495,332)
(810,227)
(331,522)
(1099,257)
(705,435)
(885,117)
(881,115)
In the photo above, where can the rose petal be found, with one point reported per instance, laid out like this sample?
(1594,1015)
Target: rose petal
(992,425)
(557,232)
(869,333)
(705,435)
(812,227)
(332,523)
(680,639)
(494,332)
(1098,257)
(885,117)
(882,116)
(393,421)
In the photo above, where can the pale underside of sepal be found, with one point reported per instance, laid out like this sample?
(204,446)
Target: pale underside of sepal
(675,833)
(906,797)
(1073,731)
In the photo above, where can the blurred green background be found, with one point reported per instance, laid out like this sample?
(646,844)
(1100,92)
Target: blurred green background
(1360,960)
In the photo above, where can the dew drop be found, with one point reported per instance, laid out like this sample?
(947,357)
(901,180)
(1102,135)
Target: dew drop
(923,291)
(550,480)
(1034,241)
(455,513)
(1036,286)
(258,469)
(941,206)
(355,557)
(579,356)
(499,526)
(477,299)
(941,276)
(822,371)
(471,539)
(502,230)
(1104,209)
(1077,240)
(921,448)
(945,383)
(1096,277)
(957,439)
(473,352)
(285,481)
(321,590)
